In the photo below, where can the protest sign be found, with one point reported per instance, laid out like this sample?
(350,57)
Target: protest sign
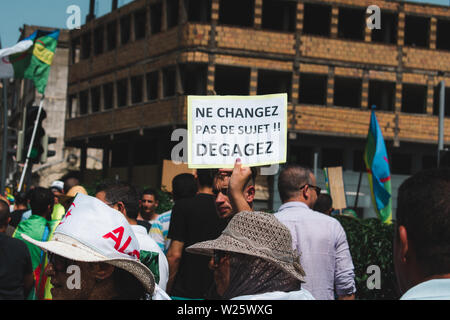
(224,128)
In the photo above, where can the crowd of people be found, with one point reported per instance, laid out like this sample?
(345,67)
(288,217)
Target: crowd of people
(58,242)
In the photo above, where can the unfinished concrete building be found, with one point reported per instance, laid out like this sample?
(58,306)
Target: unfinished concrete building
(131,69)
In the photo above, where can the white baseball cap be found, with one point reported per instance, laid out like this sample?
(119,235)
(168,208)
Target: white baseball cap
(91,231)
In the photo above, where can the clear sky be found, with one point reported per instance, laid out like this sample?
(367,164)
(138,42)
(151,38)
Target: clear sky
(52,13)
(46,13)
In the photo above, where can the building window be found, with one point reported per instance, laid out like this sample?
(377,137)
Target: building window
(317,19)
(172,13)
(193,77)
(76,48)
(351,23)
(119,158)
(111,31)
(155,16)
(382,95)
(358,161)
(108,96)
(137,89)
(332,157)
(95,99)
(301,155)
(72,106)
(84,102)
(400,163)
(198,10)
(312,88)
(169,81)
(98,40)
(417,31)
(442,32)
(237,12)
(232,80)
(85,46)
(347,92)
(429,162)
(125,29)
(140,24)
(122,93)
(436,100)
(279,15)
(388,32)
(274,82)
(152,85)
(414,98)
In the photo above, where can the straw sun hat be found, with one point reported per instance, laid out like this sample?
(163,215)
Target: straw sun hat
(256,234)
(91,231)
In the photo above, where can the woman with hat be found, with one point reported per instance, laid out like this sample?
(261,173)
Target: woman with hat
(253,260)
(94,255)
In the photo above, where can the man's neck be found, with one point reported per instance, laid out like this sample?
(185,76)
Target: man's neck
(206,190)
(296,200)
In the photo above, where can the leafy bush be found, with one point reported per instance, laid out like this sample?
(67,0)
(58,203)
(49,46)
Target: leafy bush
(165,201)
(371,243)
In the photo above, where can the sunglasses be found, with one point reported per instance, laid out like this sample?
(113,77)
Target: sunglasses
(218,255)
(224,191)
(59,263)
(316,188)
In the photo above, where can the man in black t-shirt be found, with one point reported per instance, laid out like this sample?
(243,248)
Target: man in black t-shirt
(193,220)
(16,274)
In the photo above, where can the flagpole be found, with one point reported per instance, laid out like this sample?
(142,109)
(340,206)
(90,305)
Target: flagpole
(31,142)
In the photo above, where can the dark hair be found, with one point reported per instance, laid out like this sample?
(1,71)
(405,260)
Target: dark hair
(183,186)
(20,198)
(152,192)
(423,208)
(205,177)
(127,285)
(291,178)
(324,203)
(125,193)
(40,199)
(103,185)
(4,213)
(70,181)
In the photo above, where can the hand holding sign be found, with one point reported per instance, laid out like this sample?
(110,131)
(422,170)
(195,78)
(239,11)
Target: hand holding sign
(240,175)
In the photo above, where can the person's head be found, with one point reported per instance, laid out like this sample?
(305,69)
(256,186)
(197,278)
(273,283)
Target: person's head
(100,242)
(183,186)
(220,190)
(422,238)
(205,177)
(5,216)
(297,183)
(57,188)
(124,198)
(70,182)
(21,201)
(252,256)
(148,203)
(324,204)
(42,201)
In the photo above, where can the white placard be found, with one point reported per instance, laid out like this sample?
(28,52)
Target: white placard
(224,128)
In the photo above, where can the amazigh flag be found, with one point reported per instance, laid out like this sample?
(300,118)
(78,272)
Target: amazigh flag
(377,165)
(30,58)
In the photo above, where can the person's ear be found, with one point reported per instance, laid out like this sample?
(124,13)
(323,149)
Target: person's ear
(102,271)
(305,192)
(403,242)
(250,194)
(9,220)
(120,207)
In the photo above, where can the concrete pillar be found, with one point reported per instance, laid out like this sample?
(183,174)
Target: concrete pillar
(257,16)
(334,21)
